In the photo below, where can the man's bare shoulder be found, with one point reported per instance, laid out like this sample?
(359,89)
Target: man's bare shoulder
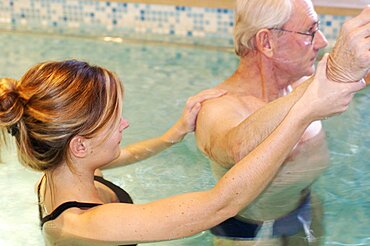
(218,115)
(230,104)
(226,100)
(215,120)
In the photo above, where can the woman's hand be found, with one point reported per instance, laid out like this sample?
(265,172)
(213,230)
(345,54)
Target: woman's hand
(192,107)
(187,121)
(350,59)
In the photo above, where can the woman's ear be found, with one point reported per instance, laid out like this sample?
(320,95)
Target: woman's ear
(265,42)
(78,146)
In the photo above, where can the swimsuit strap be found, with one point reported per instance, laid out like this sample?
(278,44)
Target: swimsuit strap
(64,206)
(122,195)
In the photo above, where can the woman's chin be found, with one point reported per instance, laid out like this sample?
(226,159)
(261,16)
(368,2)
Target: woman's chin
(118,152)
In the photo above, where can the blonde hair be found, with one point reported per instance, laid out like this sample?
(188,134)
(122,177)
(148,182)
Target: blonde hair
(53,102)
(254,15)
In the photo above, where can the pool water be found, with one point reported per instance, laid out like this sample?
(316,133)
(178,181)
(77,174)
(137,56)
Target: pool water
(158,79)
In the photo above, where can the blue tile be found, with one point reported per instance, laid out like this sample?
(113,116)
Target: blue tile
(152,17)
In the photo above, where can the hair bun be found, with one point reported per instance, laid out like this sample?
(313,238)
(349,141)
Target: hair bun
(11,105)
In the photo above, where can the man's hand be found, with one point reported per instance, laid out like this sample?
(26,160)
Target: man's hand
(326,98)
(350,59)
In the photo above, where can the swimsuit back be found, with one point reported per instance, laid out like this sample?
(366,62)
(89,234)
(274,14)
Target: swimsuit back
(122,196)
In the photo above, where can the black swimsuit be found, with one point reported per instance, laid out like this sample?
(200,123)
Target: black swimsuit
(122,196)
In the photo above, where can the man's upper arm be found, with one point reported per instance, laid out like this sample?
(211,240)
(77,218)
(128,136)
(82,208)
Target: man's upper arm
(215,121)
(228,128)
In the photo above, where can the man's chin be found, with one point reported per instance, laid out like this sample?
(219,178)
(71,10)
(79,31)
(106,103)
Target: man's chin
(311,70)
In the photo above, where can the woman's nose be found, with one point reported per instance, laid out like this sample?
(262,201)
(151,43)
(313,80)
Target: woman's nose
(123,124)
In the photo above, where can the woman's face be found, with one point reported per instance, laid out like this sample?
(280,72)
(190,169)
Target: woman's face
(106,144)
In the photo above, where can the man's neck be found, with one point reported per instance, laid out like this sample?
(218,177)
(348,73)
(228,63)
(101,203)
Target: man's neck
(256,76)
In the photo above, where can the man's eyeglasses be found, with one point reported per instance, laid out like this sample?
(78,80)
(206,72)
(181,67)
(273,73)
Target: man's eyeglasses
(312,34)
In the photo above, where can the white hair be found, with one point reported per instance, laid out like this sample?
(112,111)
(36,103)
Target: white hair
(254,15)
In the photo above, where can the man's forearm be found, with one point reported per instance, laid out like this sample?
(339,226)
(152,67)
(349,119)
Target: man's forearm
(259,125)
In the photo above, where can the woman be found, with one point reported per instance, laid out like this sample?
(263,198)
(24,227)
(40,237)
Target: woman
(66,120)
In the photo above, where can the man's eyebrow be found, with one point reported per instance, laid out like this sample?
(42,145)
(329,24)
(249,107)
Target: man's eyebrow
(314,24)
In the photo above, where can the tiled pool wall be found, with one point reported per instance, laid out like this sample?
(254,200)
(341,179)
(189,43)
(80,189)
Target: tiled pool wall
(211,26)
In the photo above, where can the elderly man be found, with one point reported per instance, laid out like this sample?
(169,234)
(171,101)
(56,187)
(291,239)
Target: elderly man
(278,43)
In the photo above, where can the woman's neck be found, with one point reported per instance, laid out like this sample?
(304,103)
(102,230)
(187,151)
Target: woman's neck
(66,184)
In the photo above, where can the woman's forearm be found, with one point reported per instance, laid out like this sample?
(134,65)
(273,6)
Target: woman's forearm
(147,148)
(256,170)
(186,123)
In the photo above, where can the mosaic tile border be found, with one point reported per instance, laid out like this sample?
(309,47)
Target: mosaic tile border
(131,20)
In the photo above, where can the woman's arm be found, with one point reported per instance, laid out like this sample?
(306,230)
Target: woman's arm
(187,214)
(147,148)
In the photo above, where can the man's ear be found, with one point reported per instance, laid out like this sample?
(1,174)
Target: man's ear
(78,146)
(265,42)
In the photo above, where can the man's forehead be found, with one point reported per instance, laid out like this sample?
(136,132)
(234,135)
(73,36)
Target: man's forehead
(303,14)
